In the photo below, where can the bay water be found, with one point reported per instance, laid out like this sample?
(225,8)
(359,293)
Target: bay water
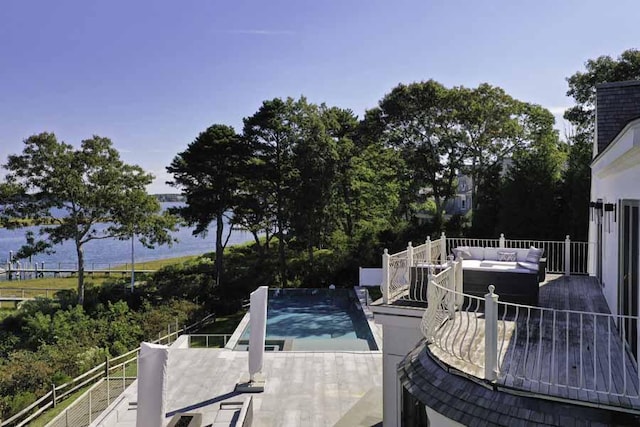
(101,253)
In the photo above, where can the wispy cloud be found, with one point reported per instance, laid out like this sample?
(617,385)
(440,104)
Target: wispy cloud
(257,32)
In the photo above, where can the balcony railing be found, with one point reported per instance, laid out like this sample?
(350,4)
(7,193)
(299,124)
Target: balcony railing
(563,256)
(396,268)
(401,270)
(569,354)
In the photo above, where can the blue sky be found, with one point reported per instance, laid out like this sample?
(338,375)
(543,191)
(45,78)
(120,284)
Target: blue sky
(151,75)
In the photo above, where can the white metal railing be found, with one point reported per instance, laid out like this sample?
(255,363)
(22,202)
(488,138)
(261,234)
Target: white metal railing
(563,256)
(122,369)
(573,354)
(570,349)
(400,270)
(453,322)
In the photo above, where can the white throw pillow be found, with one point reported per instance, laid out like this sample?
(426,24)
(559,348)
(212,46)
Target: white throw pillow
(462,252)
(534,255)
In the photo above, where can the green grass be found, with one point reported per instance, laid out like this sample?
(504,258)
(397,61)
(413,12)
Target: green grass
(223,324)
(97,280)
(50,414)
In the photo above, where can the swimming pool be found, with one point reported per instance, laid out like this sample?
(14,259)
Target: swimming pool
(314,320)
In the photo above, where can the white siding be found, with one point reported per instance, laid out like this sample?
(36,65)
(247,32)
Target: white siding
(615,176)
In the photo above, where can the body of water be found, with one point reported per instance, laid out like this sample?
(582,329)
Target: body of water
(114,251)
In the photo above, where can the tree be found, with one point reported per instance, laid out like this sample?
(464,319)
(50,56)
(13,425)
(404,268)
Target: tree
(315,156)
(271,132)
(489,120)
(485,218)
(530,195)
(582,87)
(342,125)
(419,120)
(209,173)
(69,192)
(576,187)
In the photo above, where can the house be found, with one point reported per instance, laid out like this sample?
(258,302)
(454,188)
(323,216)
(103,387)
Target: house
(461,202)
(451,359)
(615,198)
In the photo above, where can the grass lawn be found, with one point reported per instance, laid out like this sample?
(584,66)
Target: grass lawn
(223,324)
(72,282)
(50,414)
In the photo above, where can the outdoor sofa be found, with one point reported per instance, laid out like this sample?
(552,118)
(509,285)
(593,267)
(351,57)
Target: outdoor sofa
(516,273)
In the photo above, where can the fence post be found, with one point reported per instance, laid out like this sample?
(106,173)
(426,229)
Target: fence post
(106,377)
(385,276)
(457,266)
(53,394)
(491,335)
(428,250)
(443,249)
(451,284)
(90,390)
(501,241)
(409,261)
(567,256)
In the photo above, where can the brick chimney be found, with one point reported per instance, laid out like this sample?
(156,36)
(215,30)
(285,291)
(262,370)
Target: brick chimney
(617,104)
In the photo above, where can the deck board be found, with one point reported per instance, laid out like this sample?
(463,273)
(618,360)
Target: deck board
(548,363)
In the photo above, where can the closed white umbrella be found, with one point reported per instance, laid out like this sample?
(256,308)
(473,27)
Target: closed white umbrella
(152,385)
(258,324)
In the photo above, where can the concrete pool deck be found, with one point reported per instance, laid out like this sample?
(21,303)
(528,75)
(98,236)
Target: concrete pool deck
(302,388)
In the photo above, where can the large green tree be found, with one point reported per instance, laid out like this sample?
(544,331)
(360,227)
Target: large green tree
(314,163)
(271,131)
(210,173)
(490,122)
(530,194)
(419,120)
(69,191)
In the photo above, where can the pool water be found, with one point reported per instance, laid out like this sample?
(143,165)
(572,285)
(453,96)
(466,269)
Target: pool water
(315,320)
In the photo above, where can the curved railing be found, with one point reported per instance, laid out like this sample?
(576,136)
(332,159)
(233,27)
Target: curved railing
(398,270)
(453,325)
(571,354)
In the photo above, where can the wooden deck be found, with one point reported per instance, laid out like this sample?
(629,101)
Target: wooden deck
(566,355)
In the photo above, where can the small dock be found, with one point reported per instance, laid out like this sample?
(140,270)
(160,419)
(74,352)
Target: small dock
(29,273)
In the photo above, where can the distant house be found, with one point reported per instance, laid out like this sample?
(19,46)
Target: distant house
(461,203)
(615,199)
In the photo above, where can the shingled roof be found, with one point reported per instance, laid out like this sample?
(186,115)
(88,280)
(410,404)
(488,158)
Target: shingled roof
(476,403)
(617,104)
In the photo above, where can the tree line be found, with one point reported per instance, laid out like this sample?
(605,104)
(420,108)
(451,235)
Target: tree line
(305,178)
